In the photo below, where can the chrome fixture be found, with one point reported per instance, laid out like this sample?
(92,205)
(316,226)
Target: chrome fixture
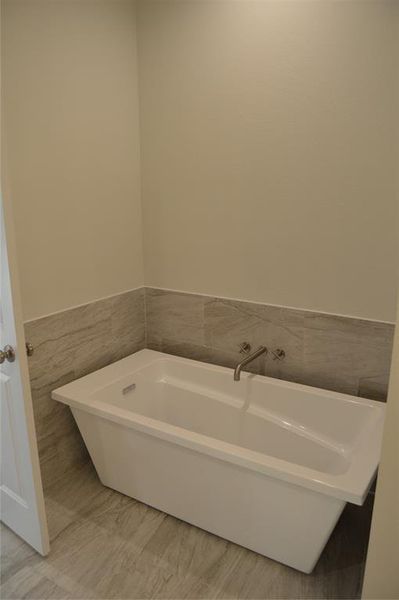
(237,371)
(29,349)
(245,348)
(7,354)
(278,354)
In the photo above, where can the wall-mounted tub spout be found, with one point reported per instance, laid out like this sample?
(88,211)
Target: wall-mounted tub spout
(237,371)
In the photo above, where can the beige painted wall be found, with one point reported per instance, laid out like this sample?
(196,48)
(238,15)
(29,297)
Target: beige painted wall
(268,151)
(71,103)
(381,579)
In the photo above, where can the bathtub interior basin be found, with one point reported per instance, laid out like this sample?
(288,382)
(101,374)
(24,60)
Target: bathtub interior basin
(326,441)
(261,462)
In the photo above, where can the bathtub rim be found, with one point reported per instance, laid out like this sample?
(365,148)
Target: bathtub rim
(350,486)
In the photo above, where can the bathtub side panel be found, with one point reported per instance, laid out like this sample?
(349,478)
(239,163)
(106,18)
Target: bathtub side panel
(282,521)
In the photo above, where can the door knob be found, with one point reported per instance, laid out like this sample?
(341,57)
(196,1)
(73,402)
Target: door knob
(7,354)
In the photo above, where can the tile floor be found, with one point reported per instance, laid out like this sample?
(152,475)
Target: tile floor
(105,545)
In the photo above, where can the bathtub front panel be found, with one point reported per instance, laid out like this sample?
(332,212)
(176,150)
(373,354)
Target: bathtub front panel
(282,521)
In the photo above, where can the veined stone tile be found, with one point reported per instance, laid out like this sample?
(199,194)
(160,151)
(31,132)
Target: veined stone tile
(339,352)
(67,346)
(228,323)
(174,316)
(205,354)
(63,339)
(184,349)
(375,388)
(60,454)
(127,313)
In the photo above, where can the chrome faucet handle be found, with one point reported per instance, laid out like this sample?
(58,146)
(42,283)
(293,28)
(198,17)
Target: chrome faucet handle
(278,354)
(245,348)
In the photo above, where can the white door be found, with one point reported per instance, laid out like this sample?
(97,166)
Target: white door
(22,504)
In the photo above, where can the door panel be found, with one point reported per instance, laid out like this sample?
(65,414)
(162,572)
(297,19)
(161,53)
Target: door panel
(11,476)
(22,504)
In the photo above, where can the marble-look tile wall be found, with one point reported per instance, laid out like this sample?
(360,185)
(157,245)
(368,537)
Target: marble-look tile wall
(337,353)
(68,345)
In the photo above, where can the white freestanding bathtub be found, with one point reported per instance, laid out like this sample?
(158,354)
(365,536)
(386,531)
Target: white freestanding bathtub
(261,462)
